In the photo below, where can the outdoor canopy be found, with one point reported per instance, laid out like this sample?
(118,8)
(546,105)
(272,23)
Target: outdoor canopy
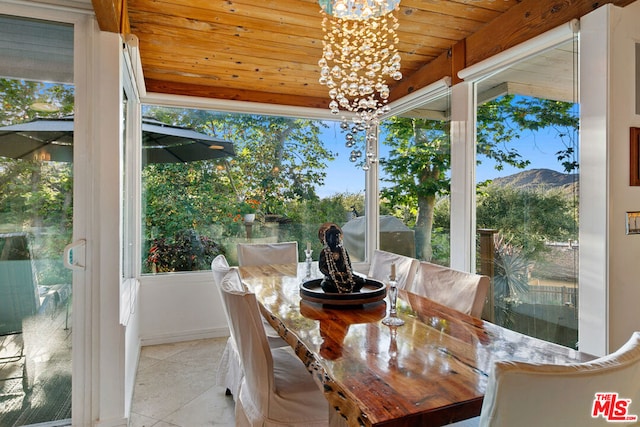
(52,140)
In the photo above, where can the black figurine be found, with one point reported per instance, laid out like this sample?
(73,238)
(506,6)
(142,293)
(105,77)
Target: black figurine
(335,264)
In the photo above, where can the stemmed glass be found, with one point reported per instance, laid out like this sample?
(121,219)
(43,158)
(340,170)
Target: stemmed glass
(392,319)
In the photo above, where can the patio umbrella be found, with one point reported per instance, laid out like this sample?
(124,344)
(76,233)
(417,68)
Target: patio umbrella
(52,140)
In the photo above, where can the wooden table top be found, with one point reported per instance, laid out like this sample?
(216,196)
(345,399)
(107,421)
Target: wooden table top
(430,371)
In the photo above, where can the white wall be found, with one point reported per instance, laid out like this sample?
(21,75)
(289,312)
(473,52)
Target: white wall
(624,250)
(594,172)
(609,259)
(179,307)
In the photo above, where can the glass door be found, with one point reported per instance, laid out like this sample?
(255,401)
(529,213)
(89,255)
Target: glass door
(36,222)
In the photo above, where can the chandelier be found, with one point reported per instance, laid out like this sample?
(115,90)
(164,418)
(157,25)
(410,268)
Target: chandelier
(359,57)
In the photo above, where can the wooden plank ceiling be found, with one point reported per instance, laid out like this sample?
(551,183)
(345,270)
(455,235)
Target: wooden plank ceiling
(267,50)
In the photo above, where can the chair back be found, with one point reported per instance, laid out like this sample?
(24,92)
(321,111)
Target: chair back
(462,291)
(248,333)
(381,267)
(527,394)
(219,269)
(267,253)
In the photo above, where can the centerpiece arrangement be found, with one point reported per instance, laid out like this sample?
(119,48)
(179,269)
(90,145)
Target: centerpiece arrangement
(340,285)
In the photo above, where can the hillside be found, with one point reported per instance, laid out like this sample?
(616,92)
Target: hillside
(544,179)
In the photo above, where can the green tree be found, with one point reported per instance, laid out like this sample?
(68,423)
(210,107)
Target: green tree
(32,193)
(36,196)
(417,166)
(20,100)
(182,196)
(419,160)
(527,218)
(278,162)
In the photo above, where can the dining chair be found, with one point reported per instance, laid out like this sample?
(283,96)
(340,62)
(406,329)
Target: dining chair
(230,370)
(604,391)
(267,253)
(381,267)
(462,291)
(276,388)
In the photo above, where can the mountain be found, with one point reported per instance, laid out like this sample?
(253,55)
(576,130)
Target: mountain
(545,179)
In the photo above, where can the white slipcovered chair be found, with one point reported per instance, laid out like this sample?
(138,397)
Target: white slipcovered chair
(267,253)
(531,395)
(230,370)
(465,292)
(381,267)
(276,389)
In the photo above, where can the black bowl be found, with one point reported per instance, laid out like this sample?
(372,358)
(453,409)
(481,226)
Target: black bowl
(372,291)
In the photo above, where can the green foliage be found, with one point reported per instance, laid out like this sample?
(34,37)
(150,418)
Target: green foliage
(187,251)
(502,121)
(336,209)
(190,195)
(278,159)
(440,238)
(37,196)
(278,164)
(441,244)
(419,160)
(417,167)
(527,218)
(307,215)
(442,214)
(18,97)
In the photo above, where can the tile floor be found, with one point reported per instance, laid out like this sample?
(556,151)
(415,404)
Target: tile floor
(175,386)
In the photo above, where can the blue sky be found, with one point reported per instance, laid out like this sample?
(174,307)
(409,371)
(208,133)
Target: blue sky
(345,177)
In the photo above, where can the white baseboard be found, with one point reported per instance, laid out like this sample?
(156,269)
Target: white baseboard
(183,336)
(113,422)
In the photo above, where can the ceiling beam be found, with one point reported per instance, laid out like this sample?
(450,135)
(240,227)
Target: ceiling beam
(112,15)
(524,21)
(430,73)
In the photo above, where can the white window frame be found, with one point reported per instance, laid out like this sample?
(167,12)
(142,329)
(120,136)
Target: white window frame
(130,204)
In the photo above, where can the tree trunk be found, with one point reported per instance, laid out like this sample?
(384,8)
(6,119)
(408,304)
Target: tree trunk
(424,224)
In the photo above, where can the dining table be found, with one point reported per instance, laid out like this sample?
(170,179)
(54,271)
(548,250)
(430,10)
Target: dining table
(430,371)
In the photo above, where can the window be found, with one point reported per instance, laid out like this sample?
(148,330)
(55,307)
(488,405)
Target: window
(266,179)
(415,163)
(527,193)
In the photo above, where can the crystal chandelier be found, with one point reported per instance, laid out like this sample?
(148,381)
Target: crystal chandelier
(360,56)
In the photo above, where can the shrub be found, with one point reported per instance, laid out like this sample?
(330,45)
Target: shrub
(187,251)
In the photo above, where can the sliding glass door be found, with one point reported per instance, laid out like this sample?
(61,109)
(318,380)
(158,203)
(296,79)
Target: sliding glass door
(36,221)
